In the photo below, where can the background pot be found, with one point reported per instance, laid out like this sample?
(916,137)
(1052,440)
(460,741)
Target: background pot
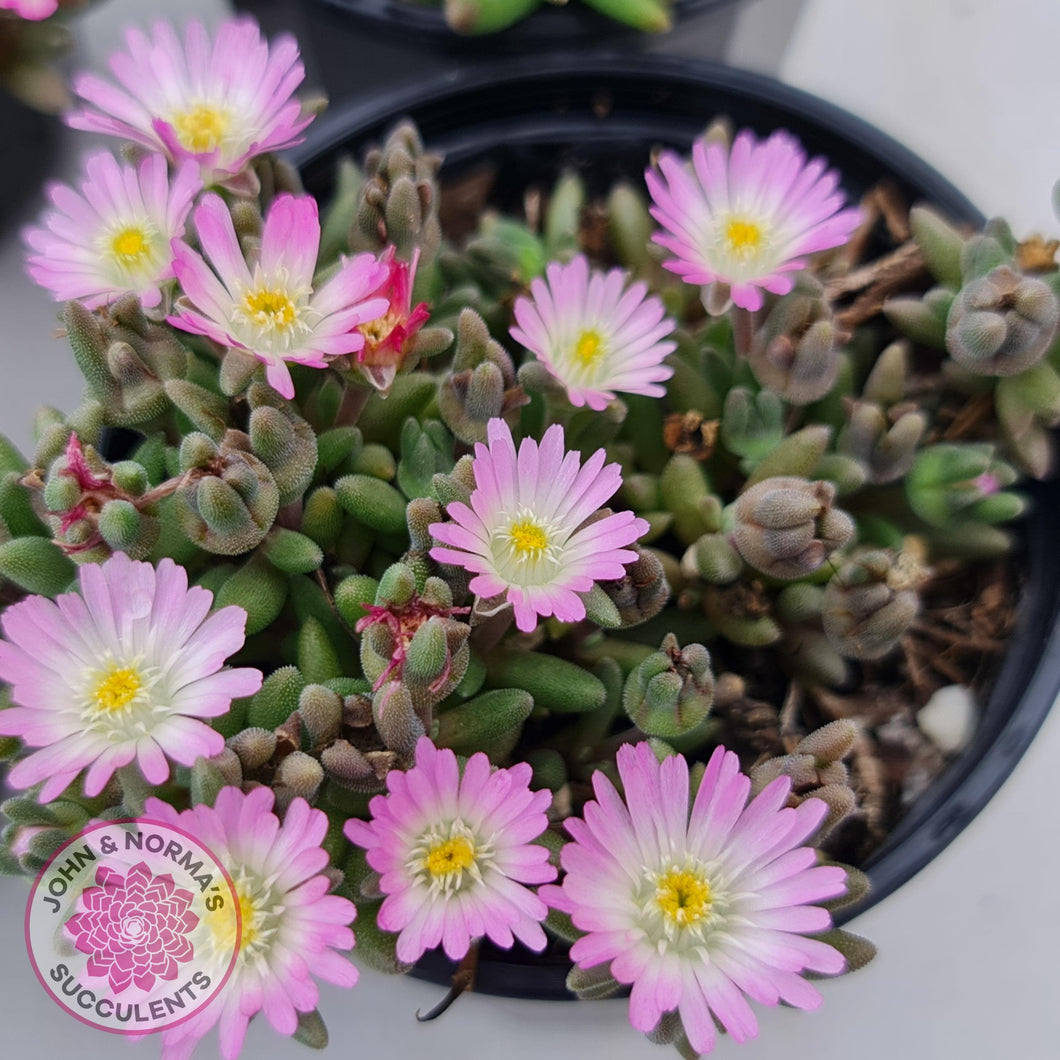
(550,26)
(601,115)
(30,140)
(353,46)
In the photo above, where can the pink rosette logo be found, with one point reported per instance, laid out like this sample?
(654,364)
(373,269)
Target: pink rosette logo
(133,926)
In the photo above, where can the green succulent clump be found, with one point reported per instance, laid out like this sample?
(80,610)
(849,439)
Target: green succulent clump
(811,473)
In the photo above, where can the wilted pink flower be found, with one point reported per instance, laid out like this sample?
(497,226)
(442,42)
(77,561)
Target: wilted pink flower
(122,670)
(219,105)
(525,533)
(113,237)
(134,928)
(386,339)
(274,312)
(697,910)
(454,852)
(746,219)
(291,927)
(596,332)
(31,9)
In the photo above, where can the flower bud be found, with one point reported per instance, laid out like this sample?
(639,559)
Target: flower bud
(642,592)
(230,500)
(482,384)
(125,359)
(794,352)
(253,747)
(298,776)
(349,768)
(867,610)
(395,719)
(321,712)
(283,441)
(672,691)
(1002,323)
(830,743)
(786,527)
(398,201)
(884,444)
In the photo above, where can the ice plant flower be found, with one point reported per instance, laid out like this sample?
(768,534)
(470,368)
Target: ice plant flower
(122,670)
(274,312)
(291,926)
(454,853)
(113,236)
(746,219)
(387,339)
(596,332)
(697,910)
(525,533)
(218,104)
(34,10)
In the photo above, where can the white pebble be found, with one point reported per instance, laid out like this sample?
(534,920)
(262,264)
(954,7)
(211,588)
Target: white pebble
(949,718)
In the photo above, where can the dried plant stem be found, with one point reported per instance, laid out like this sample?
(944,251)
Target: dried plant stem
(970,416)
(463,980)
(878,281)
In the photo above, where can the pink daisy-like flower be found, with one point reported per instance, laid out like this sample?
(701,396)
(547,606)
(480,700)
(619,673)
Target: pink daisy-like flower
(122,670)
(523,533)
(114,236)
(746,219)
(34,10)
(274,311)
(386,340)
(291,926)
(454,852)
(596,333)
(219,105)
(697,910)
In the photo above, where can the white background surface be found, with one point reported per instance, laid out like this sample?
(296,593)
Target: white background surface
(969,949)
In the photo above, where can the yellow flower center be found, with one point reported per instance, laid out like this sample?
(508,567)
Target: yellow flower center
(528,538)
(451,855)
(270,308)
(684,897)
(129,245)
(117,689)
(744,237)
(378,330)
(589,348)
(251,919)
(201,128)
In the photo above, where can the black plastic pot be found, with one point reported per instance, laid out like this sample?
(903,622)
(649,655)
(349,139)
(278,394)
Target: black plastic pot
(355,46)
(30,139)
(602,115)
(550,26)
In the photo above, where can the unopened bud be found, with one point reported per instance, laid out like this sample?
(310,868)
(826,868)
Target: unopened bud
(786,527)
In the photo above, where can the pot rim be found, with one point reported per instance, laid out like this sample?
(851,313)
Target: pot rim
(1030,674)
